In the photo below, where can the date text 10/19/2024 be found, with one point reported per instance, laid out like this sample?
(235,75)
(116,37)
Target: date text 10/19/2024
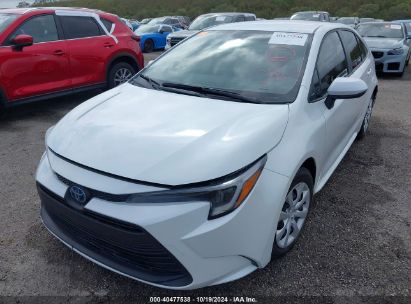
(238,299)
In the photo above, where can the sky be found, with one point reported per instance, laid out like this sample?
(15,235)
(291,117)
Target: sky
(11,3)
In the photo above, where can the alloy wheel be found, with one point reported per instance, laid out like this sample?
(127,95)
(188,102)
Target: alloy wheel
(293,215)
(121,76)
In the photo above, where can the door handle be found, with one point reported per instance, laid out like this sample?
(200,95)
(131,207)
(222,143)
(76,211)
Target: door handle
(59,53)
(108,45)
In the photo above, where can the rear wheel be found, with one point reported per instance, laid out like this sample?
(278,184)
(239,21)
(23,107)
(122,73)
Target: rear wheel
(366,121)
(148,46)
(294,212)
(120,73)
(2,107)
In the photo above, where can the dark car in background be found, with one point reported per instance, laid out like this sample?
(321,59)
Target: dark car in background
(205,21)
(311,16)
(49,52)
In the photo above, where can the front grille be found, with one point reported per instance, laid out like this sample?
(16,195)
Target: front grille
(122,246)
(95,193)
(377,54)
(175,40)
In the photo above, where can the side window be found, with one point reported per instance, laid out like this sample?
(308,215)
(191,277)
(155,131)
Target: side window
(166,29)
(364,49)
(331,63)
(80,27)
(249,18)
(240,19)
(352,47)
(42,29)
(108,24)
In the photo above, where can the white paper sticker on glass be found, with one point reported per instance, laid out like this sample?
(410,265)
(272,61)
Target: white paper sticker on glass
(288,38)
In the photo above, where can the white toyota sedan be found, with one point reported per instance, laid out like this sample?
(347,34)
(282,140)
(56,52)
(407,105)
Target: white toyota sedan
(203,167)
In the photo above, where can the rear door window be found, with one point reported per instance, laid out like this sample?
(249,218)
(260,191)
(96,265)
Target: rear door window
(108,24)
(352,48)
(331,63)
(80,27)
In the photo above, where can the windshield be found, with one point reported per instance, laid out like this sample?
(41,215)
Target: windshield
(144,29)
(264,66)
(5,20)
(306,16)
(203,22)
(381,30)
(346,20)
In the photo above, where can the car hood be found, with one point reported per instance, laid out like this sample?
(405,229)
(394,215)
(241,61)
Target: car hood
(183,33)
(383,43)
(167,138)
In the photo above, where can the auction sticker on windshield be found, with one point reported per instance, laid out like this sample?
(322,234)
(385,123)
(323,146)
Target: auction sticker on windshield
(288,38)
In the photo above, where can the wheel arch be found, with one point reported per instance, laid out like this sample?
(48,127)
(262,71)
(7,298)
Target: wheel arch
(122,57)
(311,166)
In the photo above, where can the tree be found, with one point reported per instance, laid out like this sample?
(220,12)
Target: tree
(370,10)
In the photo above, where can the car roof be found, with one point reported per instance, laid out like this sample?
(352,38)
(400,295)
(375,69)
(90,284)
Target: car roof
(22,11)
(313,12)
(384,22)
(228,14)
(17,11)
(294,26)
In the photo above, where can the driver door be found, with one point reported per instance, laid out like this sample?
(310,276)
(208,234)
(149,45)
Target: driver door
(342,117)
(37,69)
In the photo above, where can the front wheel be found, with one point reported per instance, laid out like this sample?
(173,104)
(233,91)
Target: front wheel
(120,73)
(293,213)
(366,121)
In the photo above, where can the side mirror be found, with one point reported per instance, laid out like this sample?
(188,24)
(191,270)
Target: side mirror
(21,41)
(345,88)
(409,35)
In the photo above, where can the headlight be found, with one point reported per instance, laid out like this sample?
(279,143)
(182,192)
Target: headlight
(398,51)
(224,194)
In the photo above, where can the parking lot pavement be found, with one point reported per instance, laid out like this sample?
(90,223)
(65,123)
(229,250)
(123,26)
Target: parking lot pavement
(356,242)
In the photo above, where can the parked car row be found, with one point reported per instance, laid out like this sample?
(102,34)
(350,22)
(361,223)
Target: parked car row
(389,42)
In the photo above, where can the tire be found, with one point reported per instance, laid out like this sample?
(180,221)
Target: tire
(2,107)
(148,46)
(366,121)
(120,73)
(300,196)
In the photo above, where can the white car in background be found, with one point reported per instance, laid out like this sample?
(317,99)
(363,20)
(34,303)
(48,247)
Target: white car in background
(204,165)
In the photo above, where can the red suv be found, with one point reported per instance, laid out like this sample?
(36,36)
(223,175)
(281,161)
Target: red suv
(48,52)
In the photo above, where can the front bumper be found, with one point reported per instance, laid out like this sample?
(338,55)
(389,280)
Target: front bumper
(388,63)
(176,242)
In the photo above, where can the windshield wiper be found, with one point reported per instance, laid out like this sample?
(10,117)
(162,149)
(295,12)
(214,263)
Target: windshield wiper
(150,81)
(210,91)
